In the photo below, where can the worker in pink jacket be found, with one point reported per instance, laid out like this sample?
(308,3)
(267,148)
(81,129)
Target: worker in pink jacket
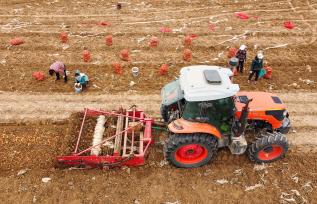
(58,68)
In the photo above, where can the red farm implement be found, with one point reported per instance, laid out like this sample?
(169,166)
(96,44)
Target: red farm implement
(120,138)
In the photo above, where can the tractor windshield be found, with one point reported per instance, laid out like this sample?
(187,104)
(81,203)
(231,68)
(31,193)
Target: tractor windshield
(217,112)
(171,93)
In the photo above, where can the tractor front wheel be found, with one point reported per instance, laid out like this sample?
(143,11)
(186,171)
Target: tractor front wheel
(268,148)
(190,150)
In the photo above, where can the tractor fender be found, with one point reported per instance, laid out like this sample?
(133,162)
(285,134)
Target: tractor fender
(180,126)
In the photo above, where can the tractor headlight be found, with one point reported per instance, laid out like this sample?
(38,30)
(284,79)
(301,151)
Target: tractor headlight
(277,114)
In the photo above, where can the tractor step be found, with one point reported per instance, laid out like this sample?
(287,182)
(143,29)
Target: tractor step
(120,138)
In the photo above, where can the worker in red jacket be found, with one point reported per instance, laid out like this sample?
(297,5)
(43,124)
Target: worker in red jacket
(58,68)
(242,56)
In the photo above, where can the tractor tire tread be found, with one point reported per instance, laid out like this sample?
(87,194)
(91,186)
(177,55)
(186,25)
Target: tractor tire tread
(176,140)
(267,139)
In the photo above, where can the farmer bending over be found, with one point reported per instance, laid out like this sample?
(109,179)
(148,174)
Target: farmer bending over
(81,78)
(58,68)
(256,66)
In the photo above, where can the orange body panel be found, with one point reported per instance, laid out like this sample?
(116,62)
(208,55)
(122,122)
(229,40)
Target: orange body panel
(261,102)
(193,127)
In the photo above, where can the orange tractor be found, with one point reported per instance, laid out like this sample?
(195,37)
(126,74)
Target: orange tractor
(205,112)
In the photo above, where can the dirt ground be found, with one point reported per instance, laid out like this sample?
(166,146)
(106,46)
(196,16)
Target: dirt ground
(36,123)
(33,145)
(289,52)
(228,179)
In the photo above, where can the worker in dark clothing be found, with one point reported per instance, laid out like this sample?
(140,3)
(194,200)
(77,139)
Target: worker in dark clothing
(256,66)
(119,6)
(58,68)
(242,56)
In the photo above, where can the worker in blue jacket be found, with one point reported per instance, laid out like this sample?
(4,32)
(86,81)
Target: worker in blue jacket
(81,78)
(256,66)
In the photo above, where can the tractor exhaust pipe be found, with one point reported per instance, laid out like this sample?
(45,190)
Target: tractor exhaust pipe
(238,143)
(243,118)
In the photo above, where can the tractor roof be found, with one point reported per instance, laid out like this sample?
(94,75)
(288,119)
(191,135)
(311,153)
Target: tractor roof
(206,83)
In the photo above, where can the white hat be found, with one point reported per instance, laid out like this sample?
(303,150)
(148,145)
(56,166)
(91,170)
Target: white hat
(260,55)
(242,47)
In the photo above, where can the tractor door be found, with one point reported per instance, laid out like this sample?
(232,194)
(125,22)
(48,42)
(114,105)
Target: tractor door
(218,113)
(172,101)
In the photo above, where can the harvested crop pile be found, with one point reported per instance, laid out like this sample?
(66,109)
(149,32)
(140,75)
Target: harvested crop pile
(16,41)
(187,55)
(124,55)
(64,37)
(108,40)
(86,56)
(38,76)
(117,68)
(163,69)
(242,15)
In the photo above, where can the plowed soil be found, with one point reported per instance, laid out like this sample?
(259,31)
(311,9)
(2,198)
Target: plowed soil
(28,143)
(289,52)
(37,124)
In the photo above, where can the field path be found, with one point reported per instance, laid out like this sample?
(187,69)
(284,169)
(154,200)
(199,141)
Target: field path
(22,107)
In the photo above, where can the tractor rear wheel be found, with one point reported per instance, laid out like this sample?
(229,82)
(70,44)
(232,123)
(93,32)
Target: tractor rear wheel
(268,148)
(190,150)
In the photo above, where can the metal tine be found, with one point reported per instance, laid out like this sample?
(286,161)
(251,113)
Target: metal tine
(132,139)
(124,151)
(118,139)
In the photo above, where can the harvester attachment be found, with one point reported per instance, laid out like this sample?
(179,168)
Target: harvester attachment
(120,138)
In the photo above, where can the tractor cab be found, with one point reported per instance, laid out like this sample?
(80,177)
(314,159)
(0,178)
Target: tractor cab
(209,96)
(204,112)
(202,94)
(216,112)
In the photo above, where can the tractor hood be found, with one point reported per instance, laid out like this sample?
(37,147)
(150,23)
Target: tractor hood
(262,101)
(264,107)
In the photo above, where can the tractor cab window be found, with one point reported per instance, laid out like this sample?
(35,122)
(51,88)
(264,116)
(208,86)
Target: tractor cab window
(217,112)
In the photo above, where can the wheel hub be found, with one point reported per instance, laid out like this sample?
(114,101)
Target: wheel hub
(191,153)
(270,152)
